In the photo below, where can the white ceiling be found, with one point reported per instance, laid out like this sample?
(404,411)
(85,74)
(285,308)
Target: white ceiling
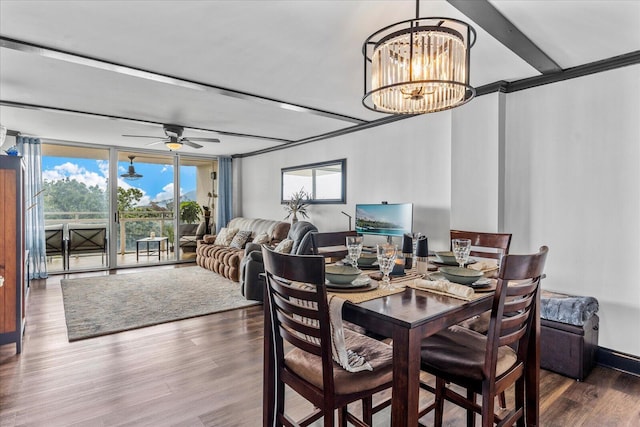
(306,53)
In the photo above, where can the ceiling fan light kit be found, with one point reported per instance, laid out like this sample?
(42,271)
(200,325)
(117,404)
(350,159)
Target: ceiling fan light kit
(174,140)
(173,143)
(418,66)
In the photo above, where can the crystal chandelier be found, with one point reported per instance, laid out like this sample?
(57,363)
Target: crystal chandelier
(418,66)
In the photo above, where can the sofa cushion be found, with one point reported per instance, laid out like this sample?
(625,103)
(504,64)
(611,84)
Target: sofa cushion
(225,236)
(280,232)
(209,239)
(240,239)
(261,238)
(284,247)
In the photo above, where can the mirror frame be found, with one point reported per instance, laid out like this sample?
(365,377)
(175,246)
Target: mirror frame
(312,166)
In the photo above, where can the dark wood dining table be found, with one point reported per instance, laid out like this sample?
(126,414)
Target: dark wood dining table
(408,317)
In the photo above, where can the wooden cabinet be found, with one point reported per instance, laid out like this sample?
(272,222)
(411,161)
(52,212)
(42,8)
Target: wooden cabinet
(11,251)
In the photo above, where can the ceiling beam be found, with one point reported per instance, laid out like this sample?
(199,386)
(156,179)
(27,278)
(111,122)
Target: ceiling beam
(35,107)
(88,61)
(493,22)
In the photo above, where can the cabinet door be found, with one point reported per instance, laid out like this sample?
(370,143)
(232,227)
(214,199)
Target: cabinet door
(8,250)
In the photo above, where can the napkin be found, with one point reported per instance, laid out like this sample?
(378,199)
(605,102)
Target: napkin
(445,287)
(484,265)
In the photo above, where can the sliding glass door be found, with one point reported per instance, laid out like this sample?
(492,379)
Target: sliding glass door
(145,209)
(159,207)
(76,207)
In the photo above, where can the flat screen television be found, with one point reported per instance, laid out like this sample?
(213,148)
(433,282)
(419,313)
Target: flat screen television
(384,219)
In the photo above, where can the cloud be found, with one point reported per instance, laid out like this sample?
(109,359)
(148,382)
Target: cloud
(165,194)
(79,173)
(167,168)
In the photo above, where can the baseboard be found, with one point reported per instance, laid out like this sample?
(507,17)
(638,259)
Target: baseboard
(620,361)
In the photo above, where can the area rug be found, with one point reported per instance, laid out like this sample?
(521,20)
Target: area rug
(96,306)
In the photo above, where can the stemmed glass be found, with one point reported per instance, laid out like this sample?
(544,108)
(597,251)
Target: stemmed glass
(386,260)
(354,246)
(461,249)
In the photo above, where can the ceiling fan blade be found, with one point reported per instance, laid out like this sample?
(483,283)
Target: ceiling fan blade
(185,141)
(142,136)
(204,139)
(156,142)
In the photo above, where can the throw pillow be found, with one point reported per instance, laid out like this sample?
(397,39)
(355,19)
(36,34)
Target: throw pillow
(240,239)
(284,247)
(231,233)
(200,230)
(262,238)
(221,238)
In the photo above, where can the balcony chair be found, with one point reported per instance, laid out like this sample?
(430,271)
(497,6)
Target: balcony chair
(331,245)
(87,239)
(55,243)
(488,364)
(299,319)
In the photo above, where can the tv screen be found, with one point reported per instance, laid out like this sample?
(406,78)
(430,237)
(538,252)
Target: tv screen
(384,219)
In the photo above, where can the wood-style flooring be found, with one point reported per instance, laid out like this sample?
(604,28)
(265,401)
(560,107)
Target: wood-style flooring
(207,371)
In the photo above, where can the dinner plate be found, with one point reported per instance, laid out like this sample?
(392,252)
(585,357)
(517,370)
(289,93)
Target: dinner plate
(359,282)
(434,261)
(373,284)
(373,266)
(481,284)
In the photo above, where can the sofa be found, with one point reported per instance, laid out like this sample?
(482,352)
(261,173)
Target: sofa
(224,257)
(252,267)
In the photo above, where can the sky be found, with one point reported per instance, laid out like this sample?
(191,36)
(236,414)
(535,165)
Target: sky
(156,183)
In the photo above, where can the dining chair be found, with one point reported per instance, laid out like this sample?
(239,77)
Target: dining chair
(485,245)
(300,321)
(488,364)
(331,244)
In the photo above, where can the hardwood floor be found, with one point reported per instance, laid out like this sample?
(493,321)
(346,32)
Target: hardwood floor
(207,371)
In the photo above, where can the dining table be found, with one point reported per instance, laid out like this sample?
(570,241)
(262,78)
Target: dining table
(408,315)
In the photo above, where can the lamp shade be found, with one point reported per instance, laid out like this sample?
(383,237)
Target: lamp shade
(418,66)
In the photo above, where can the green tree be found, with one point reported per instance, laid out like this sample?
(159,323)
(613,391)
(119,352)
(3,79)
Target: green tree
(128,199)
(70,195)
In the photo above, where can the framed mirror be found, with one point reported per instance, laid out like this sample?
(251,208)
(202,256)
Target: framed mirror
(325,182)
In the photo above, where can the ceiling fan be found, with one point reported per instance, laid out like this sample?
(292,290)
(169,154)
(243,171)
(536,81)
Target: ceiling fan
(174,139)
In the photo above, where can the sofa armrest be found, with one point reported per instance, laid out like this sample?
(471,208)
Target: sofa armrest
(252,247)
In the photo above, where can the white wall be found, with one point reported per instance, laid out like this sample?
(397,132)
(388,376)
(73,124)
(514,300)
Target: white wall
(407,161)
(557,165)
(573,183)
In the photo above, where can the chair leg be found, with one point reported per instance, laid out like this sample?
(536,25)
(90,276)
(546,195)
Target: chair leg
(471,415)
(520,400)
(329,417)
(367,410)
(502,398)
(439,404)
(279,400)
(342,416)
(488,407)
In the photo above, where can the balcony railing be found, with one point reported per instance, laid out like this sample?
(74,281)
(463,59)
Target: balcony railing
(133,225)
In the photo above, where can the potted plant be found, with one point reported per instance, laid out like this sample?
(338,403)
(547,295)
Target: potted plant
(297,205)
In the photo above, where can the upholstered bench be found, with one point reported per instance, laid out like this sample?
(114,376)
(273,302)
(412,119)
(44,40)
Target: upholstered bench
(568,334)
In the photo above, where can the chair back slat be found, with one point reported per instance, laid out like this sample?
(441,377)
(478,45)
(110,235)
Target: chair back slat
(485,245)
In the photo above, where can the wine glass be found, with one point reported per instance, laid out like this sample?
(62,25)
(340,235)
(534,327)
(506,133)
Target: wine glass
(461,249)
(354,246)
(386,260)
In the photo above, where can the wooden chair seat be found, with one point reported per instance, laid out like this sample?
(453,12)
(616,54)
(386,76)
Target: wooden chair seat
(460,352)
(379,355)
